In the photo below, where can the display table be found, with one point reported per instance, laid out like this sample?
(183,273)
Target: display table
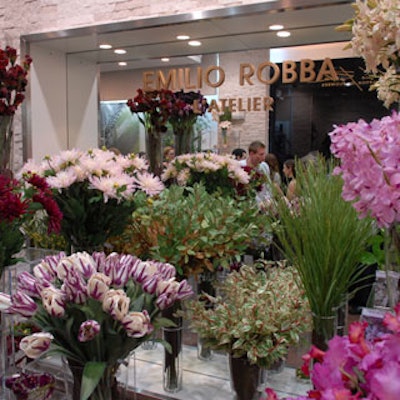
(202,380)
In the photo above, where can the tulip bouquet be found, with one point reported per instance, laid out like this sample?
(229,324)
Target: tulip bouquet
(94,310)
(94,190)
(354,367)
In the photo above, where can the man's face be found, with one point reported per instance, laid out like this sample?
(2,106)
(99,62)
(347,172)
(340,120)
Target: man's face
(258,156)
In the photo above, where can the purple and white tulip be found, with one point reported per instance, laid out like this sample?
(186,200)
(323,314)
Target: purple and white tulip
(98,285)
(118,268)
(45,271)
(74,287)
(84,263)
(88,330)
(23,305)
(53,300)
(116,302)
(5,302)
(137,324)
(35,345)
(143,270)
(27,283)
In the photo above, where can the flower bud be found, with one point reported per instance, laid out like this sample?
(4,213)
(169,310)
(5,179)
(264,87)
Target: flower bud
(137,324)
(44,271)
(84,263)
(143,270)
(5,302)
(98,285)
(116,302)
(35,345)
(27,284)
(88,330)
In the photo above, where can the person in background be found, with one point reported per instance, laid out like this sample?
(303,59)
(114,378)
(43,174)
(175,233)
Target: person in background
(290,174)
(239,154)
(274,168)
(255,159)
(142,154)
(169,155)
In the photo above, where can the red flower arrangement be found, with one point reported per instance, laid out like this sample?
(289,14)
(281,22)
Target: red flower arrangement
(19,202)
(13,80)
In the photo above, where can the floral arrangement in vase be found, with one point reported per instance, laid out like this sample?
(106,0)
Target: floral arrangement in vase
(13,82)
(354,367)
(153,109)
(95,191)
(93,309)
(192,229)
(216,172)
(186,107)
(20,202)
(375,28)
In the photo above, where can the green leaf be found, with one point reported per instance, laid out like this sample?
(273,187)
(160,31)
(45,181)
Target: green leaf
(92,374)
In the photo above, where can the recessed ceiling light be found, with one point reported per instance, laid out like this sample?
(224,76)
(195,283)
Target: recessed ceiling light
(120,51)
(183,37)
(165,59)
(105,46)
(283,34)
(276,27)
(194,43)
(122,64)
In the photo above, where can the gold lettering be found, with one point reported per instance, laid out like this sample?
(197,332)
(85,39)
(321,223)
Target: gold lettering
(240,105)
(327,69)
(232,105)
(307,73)
(223,103)
(166,83)
(188,85)
(268,103)
(248,104)
(213,106)
(256,103)
(289,74)
(221,74)
(245,76)
(148,80)
(199,77)
(268,80)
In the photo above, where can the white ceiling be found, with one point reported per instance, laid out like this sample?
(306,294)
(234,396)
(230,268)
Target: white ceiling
(224,30)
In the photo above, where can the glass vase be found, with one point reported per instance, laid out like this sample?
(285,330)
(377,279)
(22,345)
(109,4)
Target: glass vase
(246,378)
(106,389)
(172,365)
(324,329)
(154,149)
(6,139)
(183,139)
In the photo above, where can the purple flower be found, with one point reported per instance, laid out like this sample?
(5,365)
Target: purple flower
(27,283)
(88,330)
(23,305)
(98,286)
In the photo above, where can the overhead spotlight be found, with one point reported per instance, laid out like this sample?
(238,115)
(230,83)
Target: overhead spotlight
(183,37)
(276,27)
(122,64)
(283,34)
(120,51)
(105,46)
(165,59)
(194,43)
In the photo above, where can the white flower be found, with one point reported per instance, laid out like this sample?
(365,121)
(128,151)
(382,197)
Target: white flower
(225,124)
(35,345)
(148,183)
(116,302)
(62,180)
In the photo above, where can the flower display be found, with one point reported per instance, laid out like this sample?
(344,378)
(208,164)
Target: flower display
(259,314)
(375,29)
(215,171)
(370,166)
(354,367)
(94,190)
(20,201)
(31,386)
(225,124)
(92,308)
(156,106)
(13,80)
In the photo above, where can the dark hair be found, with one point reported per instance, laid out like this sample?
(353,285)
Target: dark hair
(238,153)
(292,165)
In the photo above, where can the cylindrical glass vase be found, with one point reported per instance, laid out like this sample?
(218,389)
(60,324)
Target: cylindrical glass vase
(324,329)
(183,137)
(154,150)
(172,365)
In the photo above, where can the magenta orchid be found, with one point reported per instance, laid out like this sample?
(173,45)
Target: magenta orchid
(354,368)
(370,166)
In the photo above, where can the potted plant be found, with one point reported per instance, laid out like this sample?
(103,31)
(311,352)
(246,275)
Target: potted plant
(322,236)
(257,316)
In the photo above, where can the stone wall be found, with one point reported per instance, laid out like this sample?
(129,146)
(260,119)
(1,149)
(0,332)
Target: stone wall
(22,17)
